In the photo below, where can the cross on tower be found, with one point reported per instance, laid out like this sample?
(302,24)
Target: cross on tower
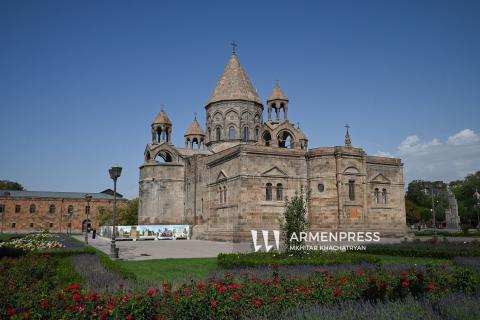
(195,115)
(234,45)
(347,126)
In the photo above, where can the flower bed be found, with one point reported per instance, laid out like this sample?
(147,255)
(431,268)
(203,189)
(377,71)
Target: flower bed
(236,260)
(33,286)
(33,242)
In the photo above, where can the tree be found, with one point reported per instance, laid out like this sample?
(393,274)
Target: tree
(10,185)
(294,220)
(126,216)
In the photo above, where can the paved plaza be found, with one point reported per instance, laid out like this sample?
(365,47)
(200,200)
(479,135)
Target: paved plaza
(164,249)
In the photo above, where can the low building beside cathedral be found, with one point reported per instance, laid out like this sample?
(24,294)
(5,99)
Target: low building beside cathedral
(236,175)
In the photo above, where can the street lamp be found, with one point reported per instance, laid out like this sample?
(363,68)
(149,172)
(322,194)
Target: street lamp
(476,195)
(88,198)
(115,173)
(432,190)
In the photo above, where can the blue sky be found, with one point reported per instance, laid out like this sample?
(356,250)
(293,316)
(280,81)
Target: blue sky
(81,81)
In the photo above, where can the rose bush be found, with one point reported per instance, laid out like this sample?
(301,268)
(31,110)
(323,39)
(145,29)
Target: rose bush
(32,288)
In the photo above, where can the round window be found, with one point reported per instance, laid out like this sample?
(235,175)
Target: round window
(321,187)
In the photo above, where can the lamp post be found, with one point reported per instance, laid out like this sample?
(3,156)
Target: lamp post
(88,198)
(432,189)
(476,195)
(115,173)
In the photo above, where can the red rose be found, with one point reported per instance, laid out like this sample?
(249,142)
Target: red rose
(166,288)
(44,304)
(152,292)
(11,311)
(233,286)
(257,303)
(431,286)
(404,273)
(228,275)
(76,297)
(200,287)
(213,304)
(222,289)
(404,283)
(129,317)
(236,296)
(73,288)
(337,292)
(12,284)
(93,297)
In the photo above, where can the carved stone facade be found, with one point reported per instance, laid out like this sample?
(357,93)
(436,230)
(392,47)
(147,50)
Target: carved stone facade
(239,180)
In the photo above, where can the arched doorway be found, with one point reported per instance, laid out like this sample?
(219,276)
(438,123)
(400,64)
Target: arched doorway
(86,225)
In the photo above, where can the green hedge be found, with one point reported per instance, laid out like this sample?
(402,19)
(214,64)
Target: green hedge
(437,253)
(236,260)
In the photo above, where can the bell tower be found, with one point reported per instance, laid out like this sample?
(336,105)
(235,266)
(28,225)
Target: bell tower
(161,128)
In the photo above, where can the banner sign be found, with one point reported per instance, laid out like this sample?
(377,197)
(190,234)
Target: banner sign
(155,232)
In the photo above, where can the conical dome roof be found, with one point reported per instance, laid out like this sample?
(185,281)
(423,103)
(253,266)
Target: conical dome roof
(234,84)
(162,118)
(277,94)
(195,129)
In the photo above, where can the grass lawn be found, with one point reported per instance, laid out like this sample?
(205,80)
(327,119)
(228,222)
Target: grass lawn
(181,270)
(171,270)
(8,236)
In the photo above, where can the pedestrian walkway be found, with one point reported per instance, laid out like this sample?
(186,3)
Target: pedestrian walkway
(165,249)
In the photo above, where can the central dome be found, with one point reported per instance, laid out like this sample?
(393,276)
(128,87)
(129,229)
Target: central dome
(234,84)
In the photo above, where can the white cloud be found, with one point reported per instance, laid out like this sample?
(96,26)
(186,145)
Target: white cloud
(464,137)
(413,144)
(384,154)
(434,160)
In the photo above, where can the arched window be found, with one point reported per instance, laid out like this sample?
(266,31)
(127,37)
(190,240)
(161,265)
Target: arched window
(231,133)
(220,195)
(218,134)
(279,192)
(164,157)
(70,210)
(384,196)
(32,208)
(376,196)
(245,134)
(285,140)
(159,134)
(351,190)
(267,138)
(51,209)
(256,134)
(224,194)
(268,192)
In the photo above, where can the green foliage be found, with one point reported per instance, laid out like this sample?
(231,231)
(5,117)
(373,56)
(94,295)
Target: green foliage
(426,252)
(294,220)
(255,259)
(126,216)
(418,203)
(10,185)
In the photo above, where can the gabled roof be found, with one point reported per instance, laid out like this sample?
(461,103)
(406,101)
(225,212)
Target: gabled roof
(234,84)
(277,94)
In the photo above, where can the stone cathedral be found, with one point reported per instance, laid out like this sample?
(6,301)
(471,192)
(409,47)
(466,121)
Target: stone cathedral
(235,175)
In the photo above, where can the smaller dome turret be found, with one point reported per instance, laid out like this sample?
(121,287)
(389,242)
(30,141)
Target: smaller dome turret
(161,128)
(194,134)
(277,101)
